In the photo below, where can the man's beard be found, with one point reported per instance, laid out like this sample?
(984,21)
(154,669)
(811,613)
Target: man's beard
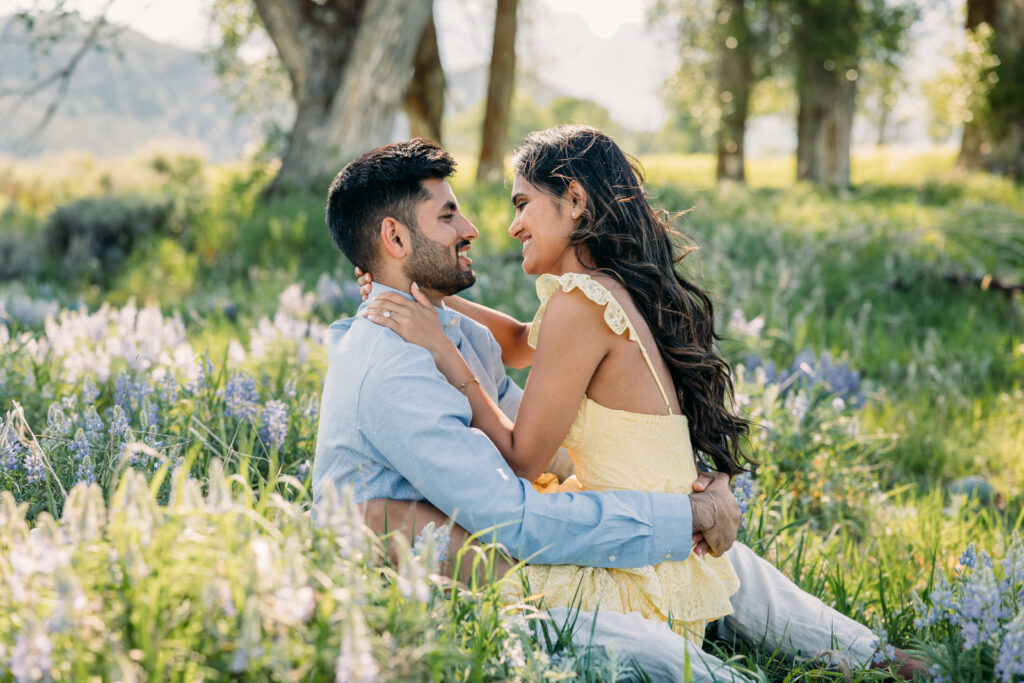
(432,266)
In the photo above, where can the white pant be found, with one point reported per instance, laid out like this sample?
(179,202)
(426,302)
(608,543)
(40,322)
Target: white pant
(768,610)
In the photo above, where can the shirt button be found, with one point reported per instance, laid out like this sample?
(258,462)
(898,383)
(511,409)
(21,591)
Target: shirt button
(611,558)
(451,323)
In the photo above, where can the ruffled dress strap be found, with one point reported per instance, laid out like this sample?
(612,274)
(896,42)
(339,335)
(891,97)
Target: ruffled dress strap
(614,315)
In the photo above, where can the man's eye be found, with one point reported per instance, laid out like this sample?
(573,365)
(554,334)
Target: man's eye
(447,216)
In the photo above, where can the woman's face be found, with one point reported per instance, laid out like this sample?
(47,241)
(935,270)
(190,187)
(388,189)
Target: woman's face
(543,225)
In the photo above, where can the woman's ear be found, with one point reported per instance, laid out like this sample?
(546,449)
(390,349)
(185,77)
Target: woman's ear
(578,199)
(394,238)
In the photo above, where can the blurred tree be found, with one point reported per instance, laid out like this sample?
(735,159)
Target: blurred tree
(349,64)
(881,84)
(424,98)
(994,127)
(830,38)
(725,54)
(500,85)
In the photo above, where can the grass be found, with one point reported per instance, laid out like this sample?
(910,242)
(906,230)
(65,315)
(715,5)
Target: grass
(854,503)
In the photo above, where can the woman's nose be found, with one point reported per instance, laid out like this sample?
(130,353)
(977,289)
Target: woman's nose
(514,229)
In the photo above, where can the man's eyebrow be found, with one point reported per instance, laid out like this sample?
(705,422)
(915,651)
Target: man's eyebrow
(450,205)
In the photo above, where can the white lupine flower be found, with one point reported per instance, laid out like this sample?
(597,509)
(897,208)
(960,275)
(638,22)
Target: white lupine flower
(30,658)
(236,352)
(295,301)
(292,606)
(355,662)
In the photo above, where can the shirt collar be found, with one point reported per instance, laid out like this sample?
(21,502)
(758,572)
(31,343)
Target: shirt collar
(449,318)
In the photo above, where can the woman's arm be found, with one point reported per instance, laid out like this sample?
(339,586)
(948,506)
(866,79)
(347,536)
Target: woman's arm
(511,334)
(573,342)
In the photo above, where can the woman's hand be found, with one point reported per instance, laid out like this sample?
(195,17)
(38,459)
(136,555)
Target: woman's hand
(414,321)
(365,281)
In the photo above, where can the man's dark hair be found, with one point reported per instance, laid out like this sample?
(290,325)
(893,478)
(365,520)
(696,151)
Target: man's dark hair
(386,181)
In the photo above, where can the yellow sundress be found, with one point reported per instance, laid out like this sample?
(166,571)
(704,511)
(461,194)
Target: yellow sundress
(620,450)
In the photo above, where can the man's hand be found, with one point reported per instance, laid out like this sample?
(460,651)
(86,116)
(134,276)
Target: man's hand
(716,515)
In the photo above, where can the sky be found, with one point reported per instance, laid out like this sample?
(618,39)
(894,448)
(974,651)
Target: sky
(627,84)
(183,22)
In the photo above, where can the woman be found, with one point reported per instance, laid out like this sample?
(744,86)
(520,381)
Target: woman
(624,369)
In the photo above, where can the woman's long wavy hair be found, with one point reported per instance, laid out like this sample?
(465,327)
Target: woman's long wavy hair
(620,234)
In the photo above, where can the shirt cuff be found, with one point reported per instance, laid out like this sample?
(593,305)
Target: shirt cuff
(672,537)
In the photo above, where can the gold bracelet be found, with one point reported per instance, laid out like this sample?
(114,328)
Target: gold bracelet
(462,387)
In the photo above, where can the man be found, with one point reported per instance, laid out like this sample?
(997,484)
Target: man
(392,427)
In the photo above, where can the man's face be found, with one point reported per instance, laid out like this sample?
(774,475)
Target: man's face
(440,240)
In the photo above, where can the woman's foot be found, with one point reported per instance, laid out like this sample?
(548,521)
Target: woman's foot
(906,666)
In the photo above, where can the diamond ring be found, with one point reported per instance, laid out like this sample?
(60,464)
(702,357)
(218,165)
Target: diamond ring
(387,314)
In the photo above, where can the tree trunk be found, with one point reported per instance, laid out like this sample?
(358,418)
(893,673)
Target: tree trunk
(499,93)
(735,76)
(993,139)
(349,62)
(424,99)
(824,125)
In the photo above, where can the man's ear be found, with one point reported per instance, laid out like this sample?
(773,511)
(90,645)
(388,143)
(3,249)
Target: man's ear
(577,197)
(394,238)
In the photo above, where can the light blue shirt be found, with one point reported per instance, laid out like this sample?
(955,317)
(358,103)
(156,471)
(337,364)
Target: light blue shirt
(391,426)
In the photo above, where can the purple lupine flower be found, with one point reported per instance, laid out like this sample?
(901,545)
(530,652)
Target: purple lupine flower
(969,557)
(274,421)
(35,468)
(90,392)
(86,472)
(168,388)
(1010,660)
(241,396)
(118,422)
(884,650)
(150,412)
(80,447)
(93,424)
(981,604)
(10,450)
(121,386)
(743,489)
(57,422)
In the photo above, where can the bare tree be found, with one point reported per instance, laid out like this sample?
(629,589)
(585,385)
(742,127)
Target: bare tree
(500,87)
(424,98)
(349,63)
(43,27)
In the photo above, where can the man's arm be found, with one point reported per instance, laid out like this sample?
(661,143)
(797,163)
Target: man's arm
(419,423)
(510,334)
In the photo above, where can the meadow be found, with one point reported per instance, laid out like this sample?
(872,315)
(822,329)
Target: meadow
(161,329)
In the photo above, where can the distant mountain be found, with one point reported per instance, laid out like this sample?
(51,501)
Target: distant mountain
(117,103)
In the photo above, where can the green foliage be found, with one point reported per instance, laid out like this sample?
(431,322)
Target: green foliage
(960,94)
(92,237)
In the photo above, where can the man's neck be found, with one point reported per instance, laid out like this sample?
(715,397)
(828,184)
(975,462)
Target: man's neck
(403,284)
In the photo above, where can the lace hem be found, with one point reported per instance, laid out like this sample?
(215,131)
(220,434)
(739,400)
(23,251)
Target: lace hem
(548,284)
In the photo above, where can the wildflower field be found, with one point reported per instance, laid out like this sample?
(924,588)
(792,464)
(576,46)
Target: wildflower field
(161,358)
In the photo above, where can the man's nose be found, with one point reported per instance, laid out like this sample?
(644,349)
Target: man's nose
(468,231)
